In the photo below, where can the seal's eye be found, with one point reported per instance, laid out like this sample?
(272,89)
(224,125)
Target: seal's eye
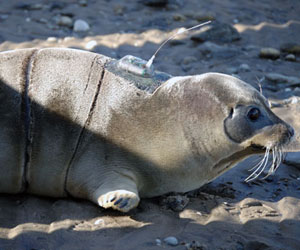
(253,114)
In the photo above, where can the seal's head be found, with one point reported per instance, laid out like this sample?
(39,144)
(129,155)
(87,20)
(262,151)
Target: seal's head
(225,120)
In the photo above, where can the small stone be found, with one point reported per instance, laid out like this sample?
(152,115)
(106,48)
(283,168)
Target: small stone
(232,70)
(253,204)
(57,5)
(278,78)
(99,221)
(269,53)
(3,17)
(179,18)
(155,3)
(171,240)
(158,242)
(189,60)
(195,245)
(292,48)
(64,21)
(217,32)
(293,159)
(83,3)
(36,6)
(290,57)
(26,6)
(119,9)
(52,39)
(90,45)
(81,26)
(244,67)
(175,202)
(42,20)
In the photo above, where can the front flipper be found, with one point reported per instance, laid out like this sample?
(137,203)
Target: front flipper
(119,193)
(121,200)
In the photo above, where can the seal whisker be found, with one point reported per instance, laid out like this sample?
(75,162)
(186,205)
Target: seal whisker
(256,164)
(261,166)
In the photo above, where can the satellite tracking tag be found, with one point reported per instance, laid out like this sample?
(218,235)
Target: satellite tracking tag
(144,68)
(135,65)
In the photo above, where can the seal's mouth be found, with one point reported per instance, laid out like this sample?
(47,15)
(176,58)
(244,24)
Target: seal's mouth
(256,147)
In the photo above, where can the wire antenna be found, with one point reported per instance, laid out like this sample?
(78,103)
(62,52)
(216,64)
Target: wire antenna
(180,31)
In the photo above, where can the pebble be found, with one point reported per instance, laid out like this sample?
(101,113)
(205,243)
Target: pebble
(217,32)
(189,60)
(293,159)
(155,3)
(278,78)
(158,242)
(99,221)
(171,240)
(269,53)
(179,18)
(83,3)
(64,21)
(90,45)
(194,245)
(244,67)
(26,6)
(52,39)
(292,48)
(175,202)
(81,26)
(119,9)
(290,57)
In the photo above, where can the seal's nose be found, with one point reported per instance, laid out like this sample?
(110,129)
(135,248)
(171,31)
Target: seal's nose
(291,131)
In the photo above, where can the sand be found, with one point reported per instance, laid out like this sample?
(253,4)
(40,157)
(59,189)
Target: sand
(225,214)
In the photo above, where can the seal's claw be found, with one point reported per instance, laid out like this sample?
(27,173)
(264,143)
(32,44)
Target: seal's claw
(121,200)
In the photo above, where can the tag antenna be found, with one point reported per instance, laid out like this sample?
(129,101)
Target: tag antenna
(180,31)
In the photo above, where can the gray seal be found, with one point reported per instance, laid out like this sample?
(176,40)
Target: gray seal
(73,124)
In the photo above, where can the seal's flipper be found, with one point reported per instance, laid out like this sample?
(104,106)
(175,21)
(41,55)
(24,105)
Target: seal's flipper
(121,200)
(118,192)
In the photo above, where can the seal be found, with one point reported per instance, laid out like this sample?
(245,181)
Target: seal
(74,124)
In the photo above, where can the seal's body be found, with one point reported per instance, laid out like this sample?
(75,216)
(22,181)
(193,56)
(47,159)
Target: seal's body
(73,124)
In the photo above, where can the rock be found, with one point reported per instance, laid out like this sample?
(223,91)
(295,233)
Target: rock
(171,240)
(51,39)
(200,17)
(90,45)
(290,57)
(81,26)
(57,5)
(209,49)
(269,53)
(292,48)
(179,17)
(64,21)
(257,246)
(27,6)
(244,67)
(195,245)
(175,202)
(119,9)
(278,78)
(154,3)
(83,3)
(189,60)
(217,32)
(232,70)
(252,204)
(293,159)
(158,242)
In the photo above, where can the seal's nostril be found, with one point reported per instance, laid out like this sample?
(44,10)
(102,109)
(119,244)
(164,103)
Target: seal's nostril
(291,132)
